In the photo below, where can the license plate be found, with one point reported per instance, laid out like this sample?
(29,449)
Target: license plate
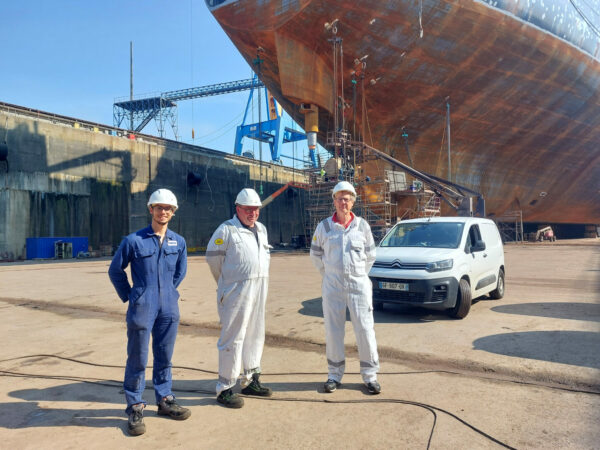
(393,286)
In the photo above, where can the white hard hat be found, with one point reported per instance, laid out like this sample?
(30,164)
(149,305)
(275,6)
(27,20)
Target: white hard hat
(343,186)
(163,197)
(248,197)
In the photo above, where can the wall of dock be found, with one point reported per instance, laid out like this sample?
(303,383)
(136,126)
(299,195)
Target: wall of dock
(62,177)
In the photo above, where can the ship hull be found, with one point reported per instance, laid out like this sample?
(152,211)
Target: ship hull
(524,103)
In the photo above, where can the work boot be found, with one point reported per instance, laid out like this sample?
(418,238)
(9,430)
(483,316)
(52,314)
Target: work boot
(331,385)
(135,424)
(169,407)
(373,387)
(255,388)
(229,399)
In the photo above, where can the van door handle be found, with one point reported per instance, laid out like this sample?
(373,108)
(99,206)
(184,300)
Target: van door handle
(485,255)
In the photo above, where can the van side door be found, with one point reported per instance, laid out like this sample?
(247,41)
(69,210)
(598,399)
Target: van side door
(478,260)
(483,271)
(495,251)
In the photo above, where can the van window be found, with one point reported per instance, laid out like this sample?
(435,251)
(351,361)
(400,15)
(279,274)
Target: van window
(425,234)
(473,236)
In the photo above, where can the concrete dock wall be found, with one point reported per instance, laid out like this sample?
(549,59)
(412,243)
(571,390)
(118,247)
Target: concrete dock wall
(68,178)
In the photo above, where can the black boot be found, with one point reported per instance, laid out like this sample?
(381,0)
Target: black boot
(229,399)
(169,407)
(331,385)
(135,424)
(373,387)
(255,388)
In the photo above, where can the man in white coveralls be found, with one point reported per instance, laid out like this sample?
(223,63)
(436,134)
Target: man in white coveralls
(343,250)
(238,256)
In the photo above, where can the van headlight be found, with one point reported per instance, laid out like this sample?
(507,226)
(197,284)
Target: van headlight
(438,266)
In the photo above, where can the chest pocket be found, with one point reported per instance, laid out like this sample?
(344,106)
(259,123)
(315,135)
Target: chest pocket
(171,255)
(358,257)
(234,236)
(144,259)
(143,252)
(333,242)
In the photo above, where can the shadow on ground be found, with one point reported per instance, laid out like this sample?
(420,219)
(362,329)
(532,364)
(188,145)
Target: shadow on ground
(577,348)
(390,314)
(31,412)
(28,413)
(558,310)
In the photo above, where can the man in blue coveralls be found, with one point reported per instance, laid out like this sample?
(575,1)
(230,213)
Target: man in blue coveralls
(158,259)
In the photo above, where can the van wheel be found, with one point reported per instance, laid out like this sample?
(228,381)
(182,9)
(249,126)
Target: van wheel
(463,300)
(498,293)
(378,306)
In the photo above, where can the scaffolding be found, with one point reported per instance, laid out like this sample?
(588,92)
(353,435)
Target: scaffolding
(373,201)
(319,204)
(384,197)
(376,208)
(510,226)
(428,204)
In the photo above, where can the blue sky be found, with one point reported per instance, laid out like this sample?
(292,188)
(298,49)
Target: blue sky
(71,57)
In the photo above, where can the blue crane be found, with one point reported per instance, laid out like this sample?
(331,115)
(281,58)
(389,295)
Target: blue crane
(163,109)
(269,131)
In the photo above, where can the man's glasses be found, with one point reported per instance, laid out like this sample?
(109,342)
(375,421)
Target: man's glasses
(249,209)
(163,208)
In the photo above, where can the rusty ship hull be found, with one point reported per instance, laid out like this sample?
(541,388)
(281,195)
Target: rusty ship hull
(521,80)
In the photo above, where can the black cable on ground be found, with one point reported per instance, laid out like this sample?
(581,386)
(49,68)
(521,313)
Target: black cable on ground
(415,372)
(432,409)
(114,383)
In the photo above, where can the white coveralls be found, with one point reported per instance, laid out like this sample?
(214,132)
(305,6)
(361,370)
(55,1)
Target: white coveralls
(240,266)
(344,257)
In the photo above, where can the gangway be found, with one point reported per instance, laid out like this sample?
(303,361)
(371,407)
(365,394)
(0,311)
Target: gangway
(164,107)
(459,198)
(374,201)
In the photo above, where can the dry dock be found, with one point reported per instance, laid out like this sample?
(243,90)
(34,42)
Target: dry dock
(522,371)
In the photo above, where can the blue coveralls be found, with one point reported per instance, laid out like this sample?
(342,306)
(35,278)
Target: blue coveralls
(156,272)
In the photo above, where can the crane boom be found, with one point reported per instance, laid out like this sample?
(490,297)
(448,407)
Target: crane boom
(145,109)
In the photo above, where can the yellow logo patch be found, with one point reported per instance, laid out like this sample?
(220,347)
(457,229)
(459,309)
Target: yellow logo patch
(219,241)
(314,238)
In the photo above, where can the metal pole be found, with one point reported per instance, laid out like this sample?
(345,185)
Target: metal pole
(405,136)
(131,83)
(521,224)
(260,140)
(354,108)
(335,89)
(448,131)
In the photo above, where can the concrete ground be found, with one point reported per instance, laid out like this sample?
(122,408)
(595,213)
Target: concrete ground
(523,371)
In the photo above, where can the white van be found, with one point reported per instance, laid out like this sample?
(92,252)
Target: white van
(439,263)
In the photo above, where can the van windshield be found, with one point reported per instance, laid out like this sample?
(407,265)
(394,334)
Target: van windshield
(425,234)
